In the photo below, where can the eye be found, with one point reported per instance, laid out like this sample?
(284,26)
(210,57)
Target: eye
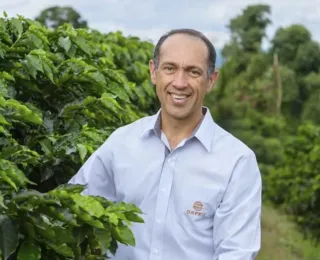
(195,73)
(168,68)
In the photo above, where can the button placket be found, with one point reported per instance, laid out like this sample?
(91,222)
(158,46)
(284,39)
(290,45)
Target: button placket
(161,207)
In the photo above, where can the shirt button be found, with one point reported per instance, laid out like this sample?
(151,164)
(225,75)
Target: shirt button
(156,251)
(164,190)
(158,221)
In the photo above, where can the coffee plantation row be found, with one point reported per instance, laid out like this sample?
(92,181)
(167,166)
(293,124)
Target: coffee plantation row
(62,92)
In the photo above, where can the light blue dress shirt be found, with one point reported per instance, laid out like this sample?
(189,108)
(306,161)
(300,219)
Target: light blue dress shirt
(201,200)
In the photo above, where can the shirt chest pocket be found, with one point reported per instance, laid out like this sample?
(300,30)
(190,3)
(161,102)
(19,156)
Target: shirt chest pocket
(194,207)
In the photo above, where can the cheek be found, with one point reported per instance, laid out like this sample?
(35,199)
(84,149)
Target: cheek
(160,90)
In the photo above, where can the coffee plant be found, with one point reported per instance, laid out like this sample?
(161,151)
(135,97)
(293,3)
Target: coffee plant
(62,92)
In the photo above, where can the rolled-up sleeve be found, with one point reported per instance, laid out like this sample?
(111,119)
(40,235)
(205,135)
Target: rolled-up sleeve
(237,222)
(97,173)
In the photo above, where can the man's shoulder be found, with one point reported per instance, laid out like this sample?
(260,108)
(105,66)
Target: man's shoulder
(125,134)
(230,144)
(133,129)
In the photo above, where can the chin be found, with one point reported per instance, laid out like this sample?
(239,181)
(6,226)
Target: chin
(178,115)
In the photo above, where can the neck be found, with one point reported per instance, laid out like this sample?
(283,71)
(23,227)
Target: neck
(177,130)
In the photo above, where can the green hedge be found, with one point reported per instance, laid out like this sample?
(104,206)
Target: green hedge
(295,183)
(62,92)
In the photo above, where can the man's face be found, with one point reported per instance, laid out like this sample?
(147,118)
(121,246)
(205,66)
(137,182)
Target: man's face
(181,78)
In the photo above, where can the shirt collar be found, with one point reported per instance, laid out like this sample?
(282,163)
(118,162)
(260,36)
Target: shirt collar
(204,131)
(152,125)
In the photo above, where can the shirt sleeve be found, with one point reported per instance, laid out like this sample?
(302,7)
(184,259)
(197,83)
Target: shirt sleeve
(97,173)
(237,222)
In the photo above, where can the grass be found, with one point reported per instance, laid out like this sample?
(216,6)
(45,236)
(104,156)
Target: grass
(281,239)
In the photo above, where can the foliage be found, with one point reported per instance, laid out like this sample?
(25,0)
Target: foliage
(248,29)
(62,92)
(55,16)
(60,224)
(287,41)
(295,184)
(244,102)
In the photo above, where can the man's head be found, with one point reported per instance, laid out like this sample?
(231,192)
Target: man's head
(183,70)
(211,50)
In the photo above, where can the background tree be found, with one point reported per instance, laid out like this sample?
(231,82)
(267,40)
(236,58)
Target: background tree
(247,103)
(300,53)
(55,16)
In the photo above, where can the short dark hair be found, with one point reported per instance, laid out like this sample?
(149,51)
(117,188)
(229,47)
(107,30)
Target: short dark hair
(192,32)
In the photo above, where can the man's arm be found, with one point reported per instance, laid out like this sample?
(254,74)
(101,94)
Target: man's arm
(237,222)
(97,173)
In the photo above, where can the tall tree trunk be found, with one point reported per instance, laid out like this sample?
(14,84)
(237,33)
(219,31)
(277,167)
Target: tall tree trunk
(278,84)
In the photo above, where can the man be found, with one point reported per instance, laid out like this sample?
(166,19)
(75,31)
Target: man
(199,187)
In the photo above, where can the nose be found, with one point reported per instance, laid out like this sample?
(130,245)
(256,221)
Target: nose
(180,80)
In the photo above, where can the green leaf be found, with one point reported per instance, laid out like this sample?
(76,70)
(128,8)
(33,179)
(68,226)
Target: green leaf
(64,235)
(98,77)
(113,246)
(8,180)
(131,216)
(3,120)
(2,52)
(82,149)
(7,76)
(109,102)
(62,249)
(71,188)
(2,101)
(65,43)
(48,71)
(17,26)
(96,223)
(8,236)
(34,64)
(2,201)
(112,218)
(121,206)
(89,204)
(125,235)
(34,118)
(29,251)
(72,51)
(104,237)
(46,174)
(80,234)
(46,147)
(3,87)
(44,230)
(81,43)
(10,169)
(30,229)
(89,100)
(24,195)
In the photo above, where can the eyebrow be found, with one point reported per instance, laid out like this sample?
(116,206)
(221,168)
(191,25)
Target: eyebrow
(187,67)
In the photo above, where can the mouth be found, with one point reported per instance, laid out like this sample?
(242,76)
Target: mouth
(179,98)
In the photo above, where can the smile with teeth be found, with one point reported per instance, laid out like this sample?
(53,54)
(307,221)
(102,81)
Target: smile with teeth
(179,97)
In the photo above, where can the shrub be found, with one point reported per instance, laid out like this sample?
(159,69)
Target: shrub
(295,184)
(62,92)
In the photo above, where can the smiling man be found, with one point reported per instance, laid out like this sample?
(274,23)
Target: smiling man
(199,186)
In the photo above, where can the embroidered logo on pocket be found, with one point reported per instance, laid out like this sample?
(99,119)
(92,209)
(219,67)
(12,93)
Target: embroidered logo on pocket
(197,209)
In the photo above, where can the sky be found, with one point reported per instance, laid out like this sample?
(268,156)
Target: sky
(149,19)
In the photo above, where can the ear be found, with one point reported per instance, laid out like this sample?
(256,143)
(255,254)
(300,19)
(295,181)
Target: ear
(152,69)
(212,80)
